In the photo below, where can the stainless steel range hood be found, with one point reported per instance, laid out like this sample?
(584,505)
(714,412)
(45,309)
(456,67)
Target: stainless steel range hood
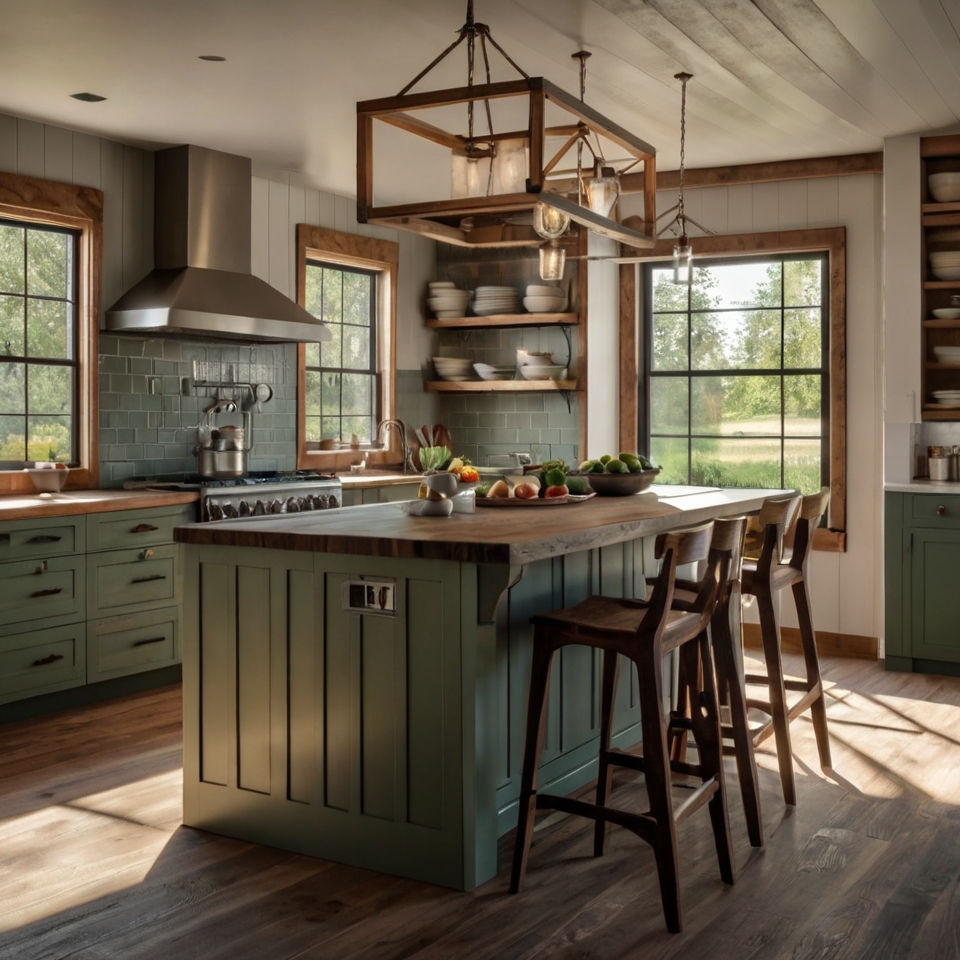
(202,285)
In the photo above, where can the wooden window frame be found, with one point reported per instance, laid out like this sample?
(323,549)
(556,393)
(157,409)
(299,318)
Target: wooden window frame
(832,241)
(382,257)
(44,202)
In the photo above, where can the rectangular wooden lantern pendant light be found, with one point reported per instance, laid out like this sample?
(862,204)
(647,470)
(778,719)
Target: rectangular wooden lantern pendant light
(419,170)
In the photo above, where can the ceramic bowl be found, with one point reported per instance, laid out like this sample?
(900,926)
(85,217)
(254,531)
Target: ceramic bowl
(46,479)
(552,372)
(535,290)
(488,371)
(620,484)
(524,358)
(947,313)
(944,187)
(946,273)
(544,304)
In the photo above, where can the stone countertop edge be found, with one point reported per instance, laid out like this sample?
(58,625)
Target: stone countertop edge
(383,530)
(23,506)
(943,487)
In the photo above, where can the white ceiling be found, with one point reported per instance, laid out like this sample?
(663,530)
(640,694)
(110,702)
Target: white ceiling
(773,79)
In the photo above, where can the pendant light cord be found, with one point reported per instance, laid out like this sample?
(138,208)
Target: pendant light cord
(681,215)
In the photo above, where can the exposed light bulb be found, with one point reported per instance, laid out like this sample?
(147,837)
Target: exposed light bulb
(548,222)
(602,189)
(682,261)
(553,258)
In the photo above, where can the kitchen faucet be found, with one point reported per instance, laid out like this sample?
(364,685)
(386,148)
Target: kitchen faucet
(401,430)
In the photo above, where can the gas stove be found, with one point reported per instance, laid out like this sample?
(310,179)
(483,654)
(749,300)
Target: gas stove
(257,494)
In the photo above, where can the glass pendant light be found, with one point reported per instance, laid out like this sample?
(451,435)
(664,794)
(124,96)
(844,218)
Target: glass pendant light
(548,222)
(682,260)
(553,258)
(603,189)
(510,166)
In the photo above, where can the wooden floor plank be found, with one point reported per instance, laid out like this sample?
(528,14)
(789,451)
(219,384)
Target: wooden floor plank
(94,864)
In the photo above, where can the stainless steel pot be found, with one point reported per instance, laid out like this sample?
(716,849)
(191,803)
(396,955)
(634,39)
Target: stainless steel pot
(221,464)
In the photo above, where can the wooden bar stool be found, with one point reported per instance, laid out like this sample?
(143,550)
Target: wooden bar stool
(782,563)
(642,631)
(726,549)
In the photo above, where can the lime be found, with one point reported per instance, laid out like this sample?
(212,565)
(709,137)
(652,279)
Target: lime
(616,466)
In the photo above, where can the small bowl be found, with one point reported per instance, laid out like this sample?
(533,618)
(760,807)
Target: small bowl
(553,372)
(47,480)
(534,290)
(544,304)
(947,273)
(443,483)
(947,313)
(534,359)
(488,371)
(944,187)
(620,484)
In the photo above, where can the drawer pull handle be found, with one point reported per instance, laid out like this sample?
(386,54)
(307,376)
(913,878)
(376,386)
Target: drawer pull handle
(43,538)
(156,576)
(146,554)
(143,643)
(53,591)
(144,528)
(941,510)
(53,658)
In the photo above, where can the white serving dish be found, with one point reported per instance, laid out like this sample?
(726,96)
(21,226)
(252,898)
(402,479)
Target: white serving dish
(946,257)
(553,372)
(944,187)
(947,313)
(544,304)
(47,479)
(495,290)
(452,368)
(527,359)
(946,273)
(535,290)
(490,372)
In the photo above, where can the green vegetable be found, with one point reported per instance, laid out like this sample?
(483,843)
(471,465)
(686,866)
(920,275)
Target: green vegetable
(647,464)
(616,466)
(632,462)
(597,467)
(482,489)
(605,458)
(435,458)
(558,464)
(578,485)
(556,477)
(586,466)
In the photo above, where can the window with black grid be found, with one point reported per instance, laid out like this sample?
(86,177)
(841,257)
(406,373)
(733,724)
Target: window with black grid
(341,373)
(38,344)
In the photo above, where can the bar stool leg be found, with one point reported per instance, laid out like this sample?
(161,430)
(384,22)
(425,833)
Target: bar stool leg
(708,737)
(730,679)
(656,768)
(608,687)
(770,635)
(536,724)
(818,709)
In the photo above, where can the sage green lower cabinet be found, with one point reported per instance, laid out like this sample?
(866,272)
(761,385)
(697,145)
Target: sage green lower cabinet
(922,569)
(121,581)
(390,743)
(42,661)
(46,592)
(120,646)
(388,493)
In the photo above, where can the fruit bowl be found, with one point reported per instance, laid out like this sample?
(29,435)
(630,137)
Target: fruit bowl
(619,484)
(47,480)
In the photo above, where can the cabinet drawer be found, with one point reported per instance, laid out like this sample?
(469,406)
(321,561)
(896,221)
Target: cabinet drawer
(49,590)
(123,581)
(136,528)
(119,646)
(56,537)
(42,661)
(936,510)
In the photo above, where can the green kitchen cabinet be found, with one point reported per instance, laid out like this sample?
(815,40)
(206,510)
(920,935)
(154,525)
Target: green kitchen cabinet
(922,564)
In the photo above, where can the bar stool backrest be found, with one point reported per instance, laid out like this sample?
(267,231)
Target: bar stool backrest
(777,515)
(812,508)
(679,547)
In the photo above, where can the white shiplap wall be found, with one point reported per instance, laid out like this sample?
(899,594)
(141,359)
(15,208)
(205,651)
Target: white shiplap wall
(847,588)
(123,173)
(281,200)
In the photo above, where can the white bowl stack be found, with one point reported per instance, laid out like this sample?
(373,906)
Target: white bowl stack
(945,264)
(452,368)
(544,299)
(445,301)
(543,372)
(947,398)
(944,187)
(491,300)
(947,354)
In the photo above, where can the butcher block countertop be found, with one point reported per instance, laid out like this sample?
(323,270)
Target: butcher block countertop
(509,535)
(20,506)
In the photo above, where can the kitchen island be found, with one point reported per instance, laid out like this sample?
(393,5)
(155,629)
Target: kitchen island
(355,681)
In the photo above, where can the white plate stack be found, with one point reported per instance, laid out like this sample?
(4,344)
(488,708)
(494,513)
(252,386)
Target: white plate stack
(947,354)
(445,301)
(947,398)
(946,264)
(490,300)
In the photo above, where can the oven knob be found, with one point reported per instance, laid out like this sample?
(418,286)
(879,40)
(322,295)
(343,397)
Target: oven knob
(276,506)
(322,503)
(292,505)
(303,503)
(309,503)
(259,509)
(245,510)
(333,501)
(230,511)
(213,509)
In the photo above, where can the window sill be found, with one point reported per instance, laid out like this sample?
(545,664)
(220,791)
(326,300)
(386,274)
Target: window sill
(829,541)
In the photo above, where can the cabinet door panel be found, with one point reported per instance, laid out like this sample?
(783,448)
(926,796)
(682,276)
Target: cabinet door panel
(24,539)
(136,528)
(41,591)
(935,600)
(127,579)
(42,661)
(943,510)
(118,646)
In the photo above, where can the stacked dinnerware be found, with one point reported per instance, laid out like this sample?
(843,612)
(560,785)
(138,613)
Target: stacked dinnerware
(544,299)
(490,300)
(445,301)
(452,368)
(946,264)
(947,354)
(945,187)
(947,398)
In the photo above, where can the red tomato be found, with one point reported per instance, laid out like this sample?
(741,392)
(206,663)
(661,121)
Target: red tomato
(469,475)
(552,492)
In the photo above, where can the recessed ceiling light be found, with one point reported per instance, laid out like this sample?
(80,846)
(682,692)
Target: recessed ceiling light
(88,97)
(212,57)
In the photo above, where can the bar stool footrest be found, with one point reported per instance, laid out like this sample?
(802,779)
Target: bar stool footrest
(642,824)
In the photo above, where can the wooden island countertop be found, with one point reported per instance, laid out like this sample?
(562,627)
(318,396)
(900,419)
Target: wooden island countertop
(506,535)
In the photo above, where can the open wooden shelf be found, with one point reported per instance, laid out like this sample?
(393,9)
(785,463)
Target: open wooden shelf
(941,285)
(933,411)
(949,207)
(936,324)
(500,386)
(506,320)
(937,365)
